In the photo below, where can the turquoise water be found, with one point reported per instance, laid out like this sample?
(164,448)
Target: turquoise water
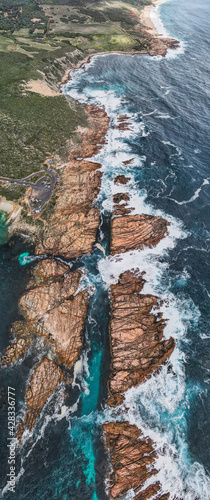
(167,100)
(90,400)
(3,228)
(23,258)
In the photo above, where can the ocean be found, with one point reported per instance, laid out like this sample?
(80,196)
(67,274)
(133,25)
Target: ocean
(167,101)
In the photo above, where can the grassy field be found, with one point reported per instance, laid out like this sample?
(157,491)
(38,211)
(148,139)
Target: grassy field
(32,127)
(39,40)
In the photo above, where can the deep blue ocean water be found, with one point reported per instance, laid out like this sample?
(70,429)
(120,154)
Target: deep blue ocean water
(167,101)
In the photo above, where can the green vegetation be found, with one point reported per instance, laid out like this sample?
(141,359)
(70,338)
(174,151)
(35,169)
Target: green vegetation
(17,14)
(3,228)
(42,38)
(31,126)
(12,192)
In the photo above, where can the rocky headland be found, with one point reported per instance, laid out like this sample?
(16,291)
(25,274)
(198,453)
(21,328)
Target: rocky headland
(53,307)
(159,46)
(72,227)
(138,349)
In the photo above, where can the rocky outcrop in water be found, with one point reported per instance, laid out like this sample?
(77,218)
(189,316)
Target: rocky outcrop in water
(132,459)
(54,312)
(45,379)
(138,349)
(159,46)
(121,179)
(123,122)
(136,336)
(135,231)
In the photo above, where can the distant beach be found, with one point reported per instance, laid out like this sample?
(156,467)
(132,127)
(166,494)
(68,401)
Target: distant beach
(150,18)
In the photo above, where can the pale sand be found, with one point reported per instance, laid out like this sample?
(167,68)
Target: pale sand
(146,16)
(40,87)
(6,206)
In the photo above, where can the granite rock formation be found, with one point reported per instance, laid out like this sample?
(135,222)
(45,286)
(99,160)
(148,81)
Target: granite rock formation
(136,336)
(138,349)
(121,179)
(123,122)
(159,46)
(135,231)
(71,230)
(132,459)
(54,311)
(45,379)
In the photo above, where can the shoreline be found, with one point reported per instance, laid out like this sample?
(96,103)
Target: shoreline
(147,18)
(148,29)
(87,60)
(133,358)
(80,64)
(50,368)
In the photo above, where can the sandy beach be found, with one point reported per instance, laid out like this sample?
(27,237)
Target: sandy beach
(40,87)
(146,17)
(5,205)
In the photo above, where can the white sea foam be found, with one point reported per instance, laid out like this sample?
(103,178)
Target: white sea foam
(180,50)
(178,150)
(165,117)
(157,406)
(163,33)
(81,372)
(193,198)
(157,21)
(149,114)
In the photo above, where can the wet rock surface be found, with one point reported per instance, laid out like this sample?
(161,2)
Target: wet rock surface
(132,459)
(136,335)
(135,231)
(121,179)
(45,379)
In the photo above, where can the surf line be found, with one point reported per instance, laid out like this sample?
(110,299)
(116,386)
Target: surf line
(193,198)
(111,267)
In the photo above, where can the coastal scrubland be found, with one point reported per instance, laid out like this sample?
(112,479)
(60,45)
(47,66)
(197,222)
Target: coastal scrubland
(38,40)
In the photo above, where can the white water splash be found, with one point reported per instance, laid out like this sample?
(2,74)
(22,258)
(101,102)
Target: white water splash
(165,396)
